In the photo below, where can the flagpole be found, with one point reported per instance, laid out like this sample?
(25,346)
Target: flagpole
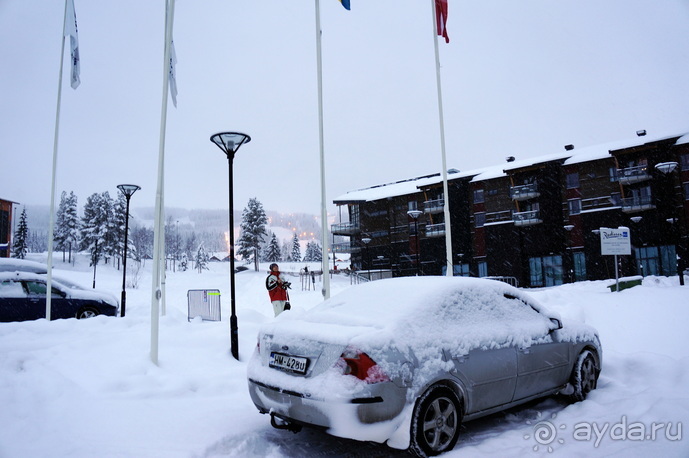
(49,286)
(448,225)
(325,265)
(158,241)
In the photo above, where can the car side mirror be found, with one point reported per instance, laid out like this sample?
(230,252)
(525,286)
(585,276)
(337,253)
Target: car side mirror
(557,323)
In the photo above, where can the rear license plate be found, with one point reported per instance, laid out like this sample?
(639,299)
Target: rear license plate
(288,363)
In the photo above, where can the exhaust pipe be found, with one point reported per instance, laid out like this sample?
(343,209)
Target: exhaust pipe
(279,423)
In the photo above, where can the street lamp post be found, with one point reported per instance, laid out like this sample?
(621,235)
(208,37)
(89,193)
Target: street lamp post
(666,168)
(415,215)
(229,143)
(128,190)
(366,241)
(570,260)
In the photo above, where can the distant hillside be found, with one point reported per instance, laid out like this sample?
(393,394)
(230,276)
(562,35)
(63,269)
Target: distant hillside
(199,221)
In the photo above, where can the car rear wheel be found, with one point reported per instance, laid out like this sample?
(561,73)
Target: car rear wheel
(87,313)
(435,422)
(584,377)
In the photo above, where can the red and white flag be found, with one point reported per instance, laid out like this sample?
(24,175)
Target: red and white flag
(441,18)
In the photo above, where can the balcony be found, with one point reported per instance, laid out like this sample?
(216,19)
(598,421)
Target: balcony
(527,218)
(524,192)
(347,228)
(434,206)
(638,203)
(435,230)
(344,247)
(632,175)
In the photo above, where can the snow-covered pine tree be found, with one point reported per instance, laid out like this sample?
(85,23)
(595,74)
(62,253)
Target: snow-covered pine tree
(296,249)
(252,229)
(19,246)
(119,216)
(201,259)
(94,227)
(313,252)
(71,223)
(273,253)
(60,234)
(112,234)
(286,250)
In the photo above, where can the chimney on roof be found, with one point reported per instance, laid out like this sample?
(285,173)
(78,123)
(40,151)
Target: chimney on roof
(641,133)
(509,158)
(569,147)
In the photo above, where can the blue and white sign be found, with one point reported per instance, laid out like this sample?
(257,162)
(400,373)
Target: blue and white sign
(615,241)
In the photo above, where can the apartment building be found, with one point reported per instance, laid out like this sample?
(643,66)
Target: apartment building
(536,221)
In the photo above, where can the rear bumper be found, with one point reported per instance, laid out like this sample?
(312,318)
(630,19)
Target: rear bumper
(382,403)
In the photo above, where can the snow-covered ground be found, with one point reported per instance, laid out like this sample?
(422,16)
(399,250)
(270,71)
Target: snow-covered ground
(88,388)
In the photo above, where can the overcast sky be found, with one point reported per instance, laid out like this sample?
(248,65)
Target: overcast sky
(518,79)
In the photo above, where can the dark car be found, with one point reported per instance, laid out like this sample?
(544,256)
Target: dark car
(405,361)
(23,297)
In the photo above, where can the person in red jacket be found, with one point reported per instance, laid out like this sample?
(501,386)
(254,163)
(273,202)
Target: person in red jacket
(277,289)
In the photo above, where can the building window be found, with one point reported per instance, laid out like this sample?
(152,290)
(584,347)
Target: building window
(653,260)
(616,199)
(686,190)
(572,180)
(478,196)
(480,219)
(612,171)
(483,269)
(354,215)
(545,271)
(458,270)
(684,161)
(579,266)
(574,206)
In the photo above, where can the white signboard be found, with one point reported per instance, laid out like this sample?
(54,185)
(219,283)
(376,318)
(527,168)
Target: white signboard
(615,241)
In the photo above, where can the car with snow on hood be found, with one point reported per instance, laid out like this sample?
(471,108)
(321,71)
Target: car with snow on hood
(404,361)
(23,297)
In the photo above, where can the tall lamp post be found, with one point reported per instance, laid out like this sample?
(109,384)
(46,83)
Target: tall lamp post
(570,260)
(128,190)
(415,215)
(229,143)
(366,241)
(666,168)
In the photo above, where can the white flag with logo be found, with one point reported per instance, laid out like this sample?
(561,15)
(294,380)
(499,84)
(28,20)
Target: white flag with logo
(70,30)
(171,74)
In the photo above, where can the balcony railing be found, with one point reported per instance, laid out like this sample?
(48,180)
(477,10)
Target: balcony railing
(345,247)
(527,218)
(435,230)
(524,192)
(632,175)
(434,206)
(638,203)
(347,228)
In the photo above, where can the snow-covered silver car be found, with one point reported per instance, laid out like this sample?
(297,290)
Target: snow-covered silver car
(23,297)
(404,361)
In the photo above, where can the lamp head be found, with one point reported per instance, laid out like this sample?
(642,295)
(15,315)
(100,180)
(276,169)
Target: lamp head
(128,189)
(229,142)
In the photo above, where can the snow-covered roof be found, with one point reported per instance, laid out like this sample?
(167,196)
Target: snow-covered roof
(398,188)
(573,156)
(684,139)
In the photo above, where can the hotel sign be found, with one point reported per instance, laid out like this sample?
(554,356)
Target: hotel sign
(615,241)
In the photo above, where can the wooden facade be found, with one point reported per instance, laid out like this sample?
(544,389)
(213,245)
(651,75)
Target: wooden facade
(6,207)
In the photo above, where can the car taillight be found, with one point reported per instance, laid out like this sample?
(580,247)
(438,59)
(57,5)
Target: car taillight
(361,366)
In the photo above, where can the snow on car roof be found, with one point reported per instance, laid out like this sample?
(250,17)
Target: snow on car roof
(70,290)
(13,264)
(457,313)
